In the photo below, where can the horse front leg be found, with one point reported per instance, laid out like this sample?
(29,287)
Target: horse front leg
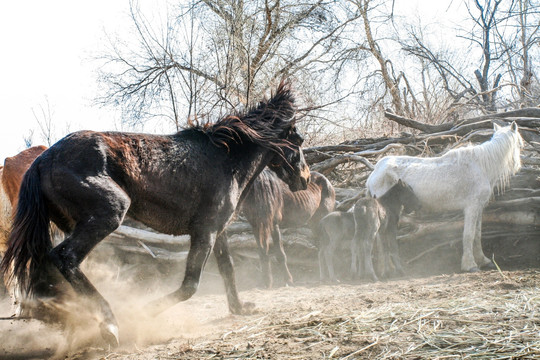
(368,242)
(226,269)
(280,255)
(355,250)
(202,242)
(323,270)
(479,256)
(329,252)
(393,248)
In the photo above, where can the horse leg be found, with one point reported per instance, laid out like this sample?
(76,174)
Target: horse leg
(382,265)
(323,270)
(481,259)
(226,269)
(99,209)
(68,255)
(393,249)
(322,244)
(280,255)
(202,242)
(355,257)
(472,216)
(262,236)
(329,252)
(368,262)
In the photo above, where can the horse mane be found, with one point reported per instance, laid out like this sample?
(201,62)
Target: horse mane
(262,124)
(498,157)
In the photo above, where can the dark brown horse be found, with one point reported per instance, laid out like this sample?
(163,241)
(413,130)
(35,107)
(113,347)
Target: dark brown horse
(270,205)
(186,183)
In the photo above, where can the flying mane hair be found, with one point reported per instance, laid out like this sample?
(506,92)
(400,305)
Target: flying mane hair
(261,124)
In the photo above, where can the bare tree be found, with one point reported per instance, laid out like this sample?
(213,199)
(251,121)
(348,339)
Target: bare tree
(519,39)
(44,119)
(214,55)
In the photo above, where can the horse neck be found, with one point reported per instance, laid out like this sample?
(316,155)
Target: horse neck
(248,167)
(496,158)
(391,201)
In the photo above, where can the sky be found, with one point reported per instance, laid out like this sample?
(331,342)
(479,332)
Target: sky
(46,63)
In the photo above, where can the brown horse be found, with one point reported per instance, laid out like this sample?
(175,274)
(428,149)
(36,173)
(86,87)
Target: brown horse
(186,183)
(270,205)
(11,175)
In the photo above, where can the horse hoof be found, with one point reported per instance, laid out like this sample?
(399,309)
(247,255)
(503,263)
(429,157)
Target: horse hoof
(489,266)
(248,308)
(109,333)
(473,270)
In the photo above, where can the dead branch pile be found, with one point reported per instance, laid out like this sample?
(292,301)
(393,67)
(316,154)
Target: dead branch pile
(511,223)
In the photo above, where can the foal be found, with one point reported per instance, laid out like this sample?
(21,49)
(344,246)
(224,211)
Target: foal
(336,230)
(270,205)
(378,219)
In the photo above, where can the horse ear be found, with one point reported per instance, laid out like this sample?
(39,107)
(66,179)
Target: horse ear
(496,127)
(514,126)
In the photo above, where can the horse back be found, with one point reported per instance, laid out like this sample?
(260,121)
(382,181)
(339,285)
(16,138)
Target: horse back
(5,216)
(308,206)
(171,182)
(14,169)
(336,228)
(440,183)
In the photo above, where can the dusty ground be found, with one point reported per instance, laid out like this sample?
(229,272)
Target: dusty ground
(486,315)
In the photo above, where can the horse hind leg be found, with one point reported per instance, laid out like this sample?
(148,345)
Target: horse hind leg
(262,236)
(68,255)
(226,269)
(281,257)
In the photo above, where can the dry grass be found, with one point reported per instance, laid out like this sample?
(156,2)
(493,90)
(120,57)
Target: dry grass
(490,316)
(486,315)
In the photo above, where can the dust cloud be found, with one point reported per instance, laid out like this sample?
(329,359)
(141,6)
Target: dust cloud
(127,288)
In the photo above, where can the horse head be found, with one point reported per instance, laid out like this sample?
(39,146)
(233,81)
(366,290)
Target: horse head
(407,197)
(290,164)
(511,136)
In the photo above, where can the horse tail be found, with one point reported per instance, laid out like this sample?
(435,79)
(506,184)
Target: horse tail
(30,241)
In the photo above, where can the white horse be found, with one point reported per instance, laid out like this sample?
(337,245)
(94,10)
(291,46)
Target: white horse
(462,179)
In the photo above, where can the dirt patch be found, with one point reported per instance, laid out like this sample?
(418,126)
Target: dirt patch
(454,315)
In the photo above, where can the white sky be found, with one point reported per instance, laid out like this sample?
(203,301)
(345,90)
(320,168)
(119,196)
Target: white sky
(46,48)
